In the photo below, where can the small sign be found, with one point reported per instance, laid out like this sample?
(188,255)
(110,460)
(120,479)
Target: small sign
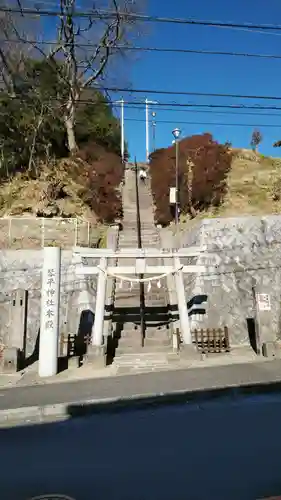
(173,196)
(263,301)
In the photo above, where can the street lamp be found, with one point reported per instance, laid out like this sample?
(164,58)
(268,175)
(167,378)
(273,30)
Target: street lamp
(176,133)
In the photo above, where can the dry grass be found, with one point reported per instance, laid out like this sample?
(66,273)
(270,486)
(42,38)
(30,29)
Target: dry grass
(250,187)
(250,184)
(55,193)
(22,196)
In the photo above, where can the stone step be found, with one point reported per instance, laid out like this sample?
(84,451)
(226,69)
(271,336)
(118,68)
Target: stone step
(120,351)
(148,358)
(123,303)
(135,341)
(151,332)
(122,295)
(129,332)
(161,302)
(134,370)
(128,336)
(155,342)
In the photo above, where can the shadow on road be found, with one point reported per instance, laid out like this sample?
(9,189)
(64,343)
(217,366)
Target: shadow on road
(218,449)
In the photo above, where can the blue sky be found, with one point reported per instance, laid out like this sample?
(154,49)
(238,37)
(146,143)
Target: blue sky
(207,73)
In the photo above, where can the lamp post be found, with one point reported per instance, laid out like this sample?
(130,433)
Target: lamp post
(176,133)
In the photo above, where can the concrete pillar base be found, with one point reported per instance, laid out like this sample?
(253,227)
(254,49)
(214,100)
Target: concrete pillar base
(95,357)
(189,352)
(10,361)
(73,362)
(271,350)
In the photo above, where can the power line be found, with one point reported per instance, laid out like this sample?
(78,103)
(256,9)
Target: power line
(172,105)
(209,123)
(118,105)
(105,14)
(196,105)
(226,112)
(149,49)
(175,92)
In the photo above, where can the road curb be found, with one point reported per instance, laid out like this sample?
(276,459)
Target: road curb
(74,409)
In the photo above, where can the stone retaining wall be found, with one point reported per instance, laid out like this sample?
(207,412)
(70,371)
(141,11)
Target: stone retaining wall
(242,252)
(36,232)
(22,269)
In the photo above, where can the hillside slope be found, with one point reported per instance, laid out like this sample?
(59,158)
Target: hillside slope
(254,183)
(254,187)
(85,186)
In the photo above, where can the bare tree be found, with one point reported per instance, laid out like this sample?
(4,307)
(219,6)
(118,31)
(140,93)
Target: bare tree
(85,47)
(256,139)
(15,31)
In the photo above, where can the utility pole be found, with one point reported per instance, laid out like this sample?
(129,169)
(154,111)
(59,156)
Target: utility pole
(177,182)
(147,102)
(176,133)
(153,130)
(122,130)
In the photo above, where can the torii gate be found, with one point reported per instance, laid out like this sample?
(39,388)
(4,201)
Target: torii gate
(131,273)
(49,322)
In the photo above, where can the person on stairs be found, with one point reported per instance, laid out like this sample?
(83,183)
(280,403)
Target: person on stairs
(142,175)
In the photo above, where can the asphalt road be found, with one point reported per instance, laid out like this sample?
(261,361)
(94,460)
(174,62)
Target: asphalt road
(220,451)
(127,386)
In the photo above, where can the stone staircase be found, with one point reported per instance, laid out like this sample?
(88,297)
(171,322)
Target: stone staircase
(129,353)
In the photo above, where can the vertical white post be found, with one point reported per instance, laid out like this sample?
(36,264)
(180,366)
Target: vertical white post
(42,232)
(147,129)
(88,233)
(10,232)
(97,337)
(122,131)
(182,306)
(50,303)
(75,232)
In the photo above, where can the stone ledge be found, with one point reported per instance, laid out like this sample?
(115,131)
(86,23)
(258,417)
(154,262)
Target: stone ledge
(271,350)
(95,357)
(189,352)
(10,361)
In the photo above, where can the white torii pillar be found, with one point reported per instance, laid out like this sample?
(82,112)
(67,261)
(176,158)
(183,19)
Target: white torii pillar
(49,320)
(97,336)
(182,306)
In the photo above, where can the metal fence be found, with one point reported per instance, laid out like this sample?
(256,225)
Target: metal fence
(28,232)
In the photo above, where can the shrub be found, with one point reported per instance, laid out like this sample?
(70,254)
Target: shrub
(205,187)
(101,176)
(276,190)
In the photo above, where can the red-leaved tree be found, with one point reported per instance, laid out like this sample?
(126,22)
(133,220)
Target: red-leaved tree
(203,168)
